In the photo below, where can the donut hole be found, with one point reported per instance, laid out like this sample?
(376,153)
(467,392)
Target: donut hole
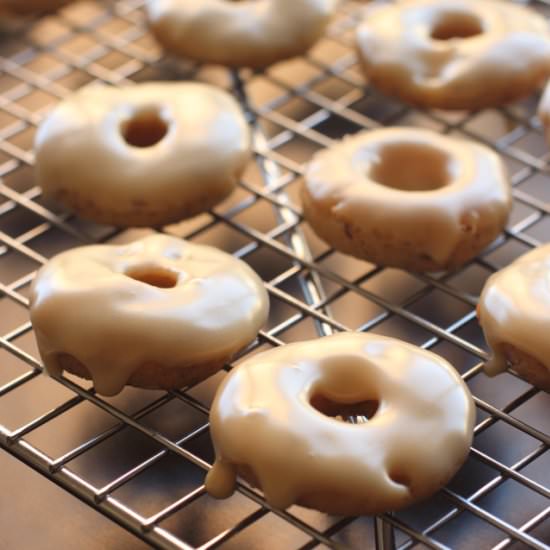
(399,477)
(456,25)
(411,167)
(153,275)
(345,412)
(145,129)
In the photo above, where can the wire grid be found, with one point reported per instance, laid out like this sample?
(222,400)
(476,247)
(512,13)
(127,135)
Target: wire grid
(295,108)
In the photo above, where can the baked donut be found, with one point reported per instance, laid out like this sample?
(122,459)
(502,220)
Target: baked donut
(23,7)
(544,111)
(157,313)
(143,155)
(407,197)
(252,33)
(274,421)
(514,313)
(455,54)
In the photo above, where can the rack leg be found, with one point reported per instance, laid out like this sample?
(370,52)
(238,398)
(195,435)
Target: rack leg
(383,535)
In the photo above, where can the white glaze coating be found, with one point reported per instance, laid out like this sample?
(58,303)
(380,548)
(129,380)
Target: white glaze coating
(251,33)
(262,419)
(83,159)
(431,221)
(514,308)
(507,59)
(83,304)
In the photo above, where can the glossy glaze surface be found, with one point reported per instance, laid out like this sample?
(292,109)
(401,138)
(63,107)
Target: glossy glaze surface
(262,421)
(253,33)
(514,308)
(84,160)
(86,305)
(453,183)
(455,53)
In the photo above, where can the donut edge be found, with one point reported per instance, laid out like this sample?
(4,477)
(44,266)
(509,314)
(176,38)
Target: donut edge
(350,238)
(526,366)
(154,376)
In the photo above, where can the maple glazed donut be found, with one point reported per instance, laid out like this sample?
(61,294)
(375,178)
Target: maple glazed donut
(157,313)
(253,33)
(454,54)
(23,7)
(274,421)
(143,155)
(514,313)
(407,197)
(544,111)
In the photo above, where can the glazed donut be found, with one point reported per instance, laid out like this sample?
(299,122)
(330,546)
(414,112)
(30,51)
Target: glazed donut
(544,111)
(455,54)
(253,33)
(514,313)
(274,422)
(407,197)
(143,155)
(23,7)
(157,313)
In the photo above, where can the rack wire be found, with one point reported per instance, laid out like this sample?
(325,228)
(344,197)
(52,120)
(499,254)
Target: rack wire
(140,458)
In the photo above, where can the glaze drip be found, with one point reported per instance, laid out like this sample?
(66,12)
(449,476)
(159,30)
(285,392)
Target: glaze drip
(514,309)
(448,181)
(265,428)
(186,304)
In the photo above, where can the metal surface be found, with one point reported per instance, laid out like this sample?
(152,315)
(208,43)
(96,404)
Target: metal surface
(140,458)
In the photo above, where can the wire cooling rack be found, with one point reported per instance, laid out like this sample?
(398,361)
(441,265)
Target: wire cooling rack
(140,458)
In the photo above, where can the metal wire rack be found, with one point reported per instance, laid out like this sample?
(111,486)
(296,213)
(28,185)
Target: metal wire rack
(140,458)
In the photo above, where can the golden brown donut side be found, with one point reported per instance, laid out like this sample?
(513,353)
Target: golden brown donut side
(544,111)
(339,503)
(523,363)
(465,98)
(155,376)
(527,366)
(388,249)
(143,213)
(514,314)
